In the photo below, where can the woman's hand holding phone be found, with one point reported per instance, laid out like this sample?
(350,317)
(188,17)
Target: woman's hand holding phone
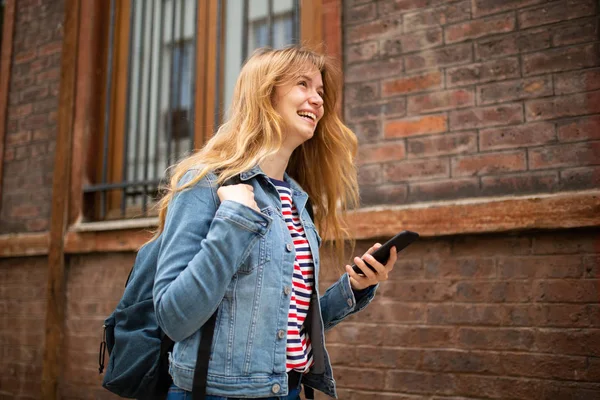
(370,277)
(378,261)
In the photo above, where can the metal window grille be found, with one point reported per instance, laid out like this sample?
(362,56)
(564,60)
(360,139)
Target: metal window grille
(161,85)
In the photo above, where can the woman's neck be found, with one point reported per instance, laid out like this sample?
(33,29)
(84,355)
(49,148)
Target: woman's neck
(275,165)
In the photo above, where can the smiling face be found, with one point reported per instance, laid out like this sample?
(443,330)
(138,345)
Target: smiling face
(300,104)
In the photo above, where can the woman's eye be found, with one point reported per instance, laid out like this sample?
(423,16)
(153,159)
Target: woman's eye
(321,94)
(302,83)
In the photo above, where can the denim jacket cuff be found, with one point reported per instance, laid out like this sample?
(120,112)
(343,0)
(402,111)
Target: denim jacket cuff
(341,302)
(361,298)
(244,216)
(362,293)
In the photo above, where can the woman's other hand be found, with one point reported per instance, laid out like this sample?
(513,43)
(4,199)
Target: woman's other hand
(370,278)
(242,193)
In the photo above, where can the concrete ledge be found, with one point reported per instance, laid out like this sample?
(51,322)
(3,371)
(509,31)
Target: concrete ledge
(553,211)
(472,216)
(24,244)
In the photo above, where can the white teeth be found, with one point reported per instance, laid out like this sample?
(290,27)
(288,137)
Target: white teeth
(307,114)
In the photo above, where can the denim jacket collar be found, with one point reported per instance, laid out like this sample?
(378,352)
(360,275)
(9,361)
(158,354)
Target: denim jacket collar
(251,173)
(300,197)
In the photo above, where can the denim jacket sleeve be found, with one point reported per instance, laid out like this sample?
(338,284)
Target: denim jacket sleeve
(339,302)
(203,244)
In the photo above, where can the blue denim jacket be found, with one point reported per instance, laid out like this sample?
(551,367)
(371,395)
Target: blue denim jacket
(229,257)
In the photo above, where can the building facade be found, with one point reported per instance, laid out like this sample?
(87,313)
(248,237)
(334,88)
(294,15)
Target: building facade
(479,127)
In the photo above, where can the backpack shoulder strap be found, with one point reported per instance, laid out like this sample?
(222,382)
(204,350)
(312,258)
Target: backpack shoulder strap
(234,180)
(201,370)
(204,348)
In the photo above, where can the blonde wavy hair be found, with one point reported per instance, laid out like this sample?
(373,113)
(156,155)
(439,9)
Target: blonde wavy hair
(323,165)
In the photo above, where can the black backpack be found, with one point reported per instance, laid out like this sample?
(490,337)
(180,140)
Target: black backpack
(138,365)
(138,348)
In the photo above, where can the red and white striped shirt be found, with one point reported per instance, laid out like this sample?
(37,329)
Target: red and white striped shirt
(298,349)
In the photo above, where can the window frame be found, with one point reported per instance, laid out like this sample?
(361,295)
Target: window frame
(208,93)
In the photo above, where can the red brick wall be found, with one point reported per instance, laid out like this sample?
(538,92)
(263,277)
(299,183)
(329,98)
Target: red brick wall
(95,285)
(455,99)
(31,118)
(492,316)
(22,318)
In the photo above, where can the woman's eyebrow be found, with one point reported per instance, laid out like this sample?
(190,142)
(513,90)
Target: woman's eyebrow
(310,80)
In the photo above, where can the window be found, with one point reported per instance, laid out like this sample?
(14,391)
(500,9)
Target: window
(169,71)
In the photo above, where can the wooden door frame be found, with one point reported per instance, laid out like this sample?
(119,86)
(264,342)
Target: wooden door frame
(6,53)
(56,280)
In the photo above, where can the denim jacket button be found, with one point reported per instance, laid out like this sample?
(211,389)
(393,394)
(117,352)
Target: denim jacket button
(276,388)
(349,301)
(280,335)
(289,247)
(287,290)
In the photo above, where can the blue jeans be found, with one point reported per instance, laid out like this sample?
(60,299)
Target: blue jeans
(176,393)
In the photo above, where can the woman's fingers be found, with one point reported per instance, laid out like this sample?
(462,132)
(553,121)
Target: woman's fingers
(353,274)
(369,277)
(380,269)
(372,249)
(392,260)
(241,193)
(366,271)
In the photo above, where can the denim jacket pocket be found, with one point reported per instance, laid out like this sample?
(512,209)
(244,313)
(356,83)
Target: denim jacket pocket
(260,252)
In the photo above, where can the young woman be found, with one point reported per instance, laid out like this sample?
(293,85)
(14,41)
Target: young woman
(251,250)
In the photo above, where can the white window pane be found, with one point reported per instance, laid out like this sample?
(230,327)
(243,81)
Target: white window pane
(234,26)
(257,9)
(282,6)
(258,34)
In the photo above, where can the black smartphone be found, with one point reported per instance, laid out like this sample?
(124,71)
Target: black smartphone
(382,254)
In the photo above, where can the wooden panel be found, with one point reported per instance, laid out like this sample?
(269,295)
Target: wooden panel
(332,28)
(221,68)
(332,41)
(206,67)
(560,211)
(55,302)
(92,82)
(5,64)
(24,244)
(311,24)
(211,70)
(106,241)
(201,60)
(200,107)
(119,104)
(85,123)
(95,142)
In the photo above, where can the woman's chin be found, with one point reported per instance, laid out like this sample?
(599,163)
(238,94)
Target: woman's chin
(302,136)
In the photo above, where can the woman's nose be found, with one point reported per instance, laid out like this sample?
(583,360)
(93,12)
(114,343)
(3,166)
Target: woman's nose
(316,99)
